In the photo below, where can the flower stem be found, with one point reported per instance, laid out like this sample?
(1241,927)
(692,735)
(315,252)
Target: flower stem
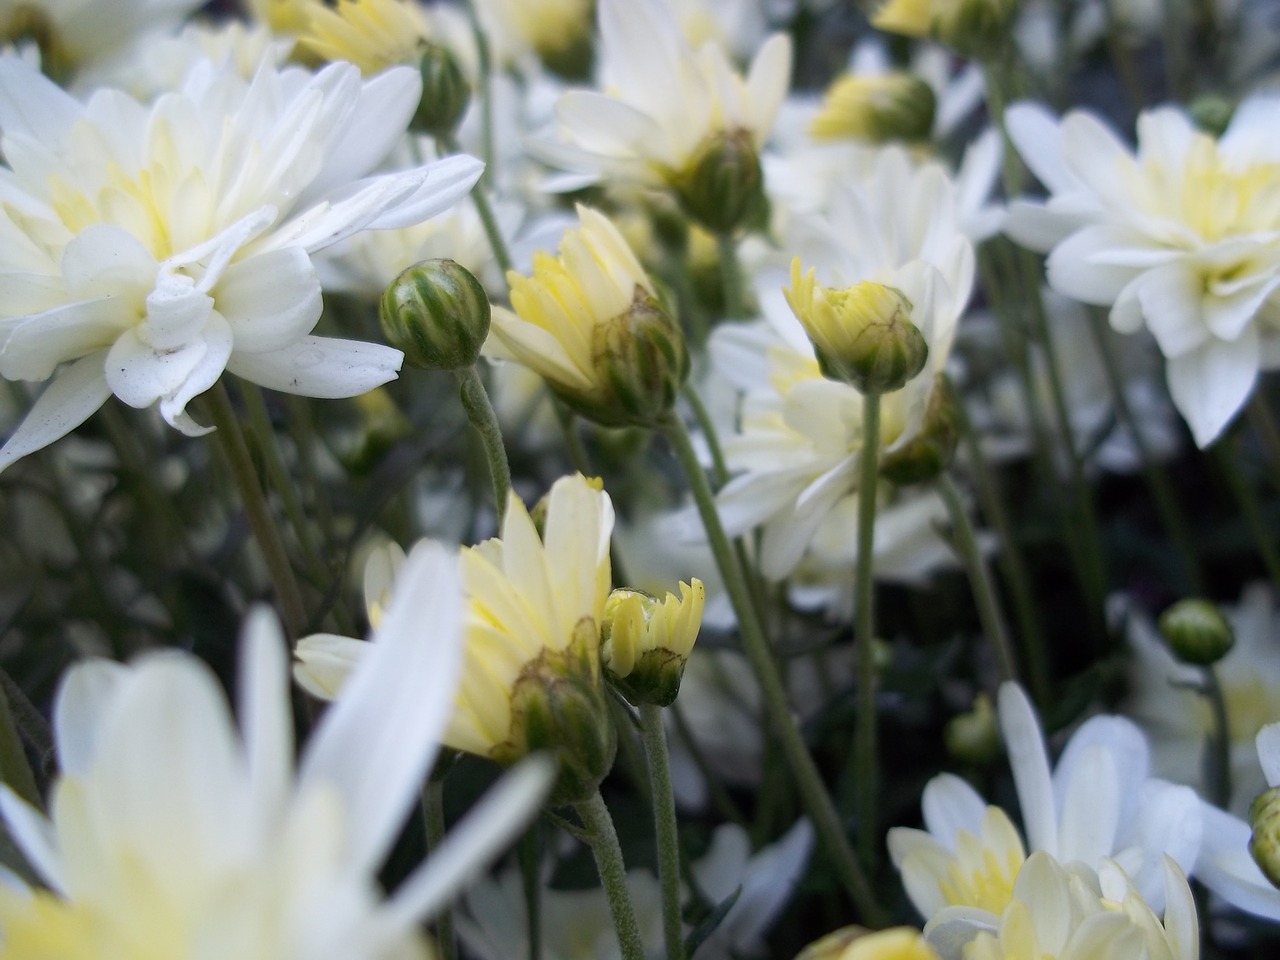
(735,306)
(257,510)
(1218,775)
(812,791)
(529,853)
(664,822)
(865,763)
(603,839)
(433,821)
(984,594)
(501,252)
(475,400)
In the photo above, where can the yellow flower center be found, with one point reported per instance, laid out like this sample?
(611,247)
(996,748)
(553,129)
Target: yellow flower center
(984,870)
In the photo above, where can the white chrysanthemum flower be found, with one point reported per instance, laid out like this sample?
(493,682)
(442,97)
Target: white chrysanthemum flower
(1067,911)
(175,835)
(146,249)
(1098,802)
(1182,237)
(661,100)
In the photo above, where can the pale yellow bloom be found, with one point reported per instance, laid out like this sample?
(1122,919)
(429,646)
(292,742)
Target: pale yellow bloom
(856,943)
(886,106)
(372,34)
(967,25)
(648,640)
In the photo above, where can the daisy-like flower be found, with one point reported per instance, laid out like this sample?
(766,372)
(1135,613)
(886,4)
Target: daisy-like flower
(1071,912)
(663,106)
(857,943)
(1098,802)
(534,611)
(648,641)
(147,249)
(1181,236)
(173,835)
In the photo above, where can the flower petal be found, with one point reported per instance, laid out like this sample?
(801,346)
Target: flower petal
(270,300)
(323,367)
(1024,742)
(1209,385)
(67,402)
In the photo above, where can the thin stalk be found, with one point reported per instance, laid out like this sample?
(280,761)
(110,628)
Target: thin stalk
(15,770)
(577,452)
(664,823)
(812,790)
(603,839)
(984,594)
(475,400)
(1218,774)
(484,57)
(735,305)
(433,821)
(719,467)
(865,762)
(529,853)
(501,253)
(256,509)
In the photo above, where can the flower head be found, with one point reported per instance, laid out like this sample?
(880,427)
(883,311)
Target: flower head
(855,943)
(153,247)
(372,34)
(895,105)
(971,27)
(647,641)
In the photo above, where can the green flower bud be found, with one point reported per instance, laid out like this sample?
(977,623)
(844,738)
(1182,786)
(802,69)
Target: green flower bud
(1212,113)
(722,186)
(1264,845)
(437,313)
(878,107)
(1197,631)
(974,736)
(646,641)
(932,449)
(558,704)
(445,93)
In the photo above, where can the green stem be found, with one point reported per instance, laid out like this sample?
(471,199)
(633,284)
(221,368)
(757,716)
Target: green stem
(433,821)
(257,510)
(1218,773)
(865,762)
(578,458)
(984,594)
(15,770)
(719,467)
(501,252)
(475,400)
(484,57)
(664,822)
(812,791)
(735,304)
(603,839)
(529,853)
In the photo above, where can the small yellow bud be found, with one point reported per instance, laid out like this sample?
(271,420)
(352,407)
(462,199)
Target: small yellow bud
(1197,631)
(722,186)
(973,28)
(646,641)
(930,452)
(445,93)
(437,313)
(974,736)
(857,943)
(1264,845)
(876,107)
(862,335)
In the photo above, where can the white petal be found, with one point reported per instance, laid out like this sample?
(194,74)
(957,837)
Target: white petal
(447,181)
(270,300)
(1024,742)
(217,349)
(34,836)
(950,805)
(1226,868)
(266,718)
(39,343)
(140,375)
(68,401)
(1037,135)
(953,928)
(32,105)
(1209,385)
(375,125)
(1171,298)
(323,367)
(78,711)
(1090,808)
(377,741)
(1268,744)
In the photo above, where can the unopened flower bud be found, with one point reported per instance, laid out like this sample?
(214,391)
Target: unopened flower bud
(858,943)
(1197,631)
(973,28)
(722,187)
(1264,845)
(876,107)
(930,452)
(862,335)
(646,641)
(437,313)
(1212,113)
(974,737)
(445,93)
(558,704)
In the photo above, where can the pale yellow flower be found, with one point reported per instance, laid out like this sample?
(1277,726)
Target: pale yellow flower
(877,106)
(968,25)
(856,943)
(648,640)
(372,34)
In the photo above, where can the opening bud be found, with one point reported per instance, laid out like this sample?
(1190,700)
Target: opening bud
(858,943)
(437,313)
(973,28)
(932,449)
(722,186)
(445,93)
(1264,845)
(646,641)
(558,704)
(862,335)
(877,107)
(1197,631)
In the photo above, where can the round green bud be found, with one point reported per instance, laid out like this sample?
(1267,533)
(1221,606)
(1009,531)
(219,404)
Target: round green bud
(1212,113)
(931,451)
(974,737)
(437,313)
(1197,631)
(445,93)
(1264,844)
(722,186)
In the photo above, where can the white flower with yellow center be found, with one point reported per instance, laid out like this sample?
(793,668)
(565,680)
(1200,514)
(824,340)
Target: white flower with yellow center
(1181,236)
(660,101)
(1098,802)
(146,249)
(174,835)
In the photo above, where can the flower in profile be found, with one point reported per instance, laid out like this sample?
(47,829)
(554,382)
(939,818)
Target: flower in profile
(590,322)
(666,109)
(895,105)
(1098,802)
(151,248)
(172,834)
(647,641)
(1177,236)
(971,27)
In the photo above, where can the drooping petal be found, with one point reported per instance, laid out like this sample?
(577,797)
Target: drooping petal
(67,402)
(266,719)
(323,367)
(1209,385)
